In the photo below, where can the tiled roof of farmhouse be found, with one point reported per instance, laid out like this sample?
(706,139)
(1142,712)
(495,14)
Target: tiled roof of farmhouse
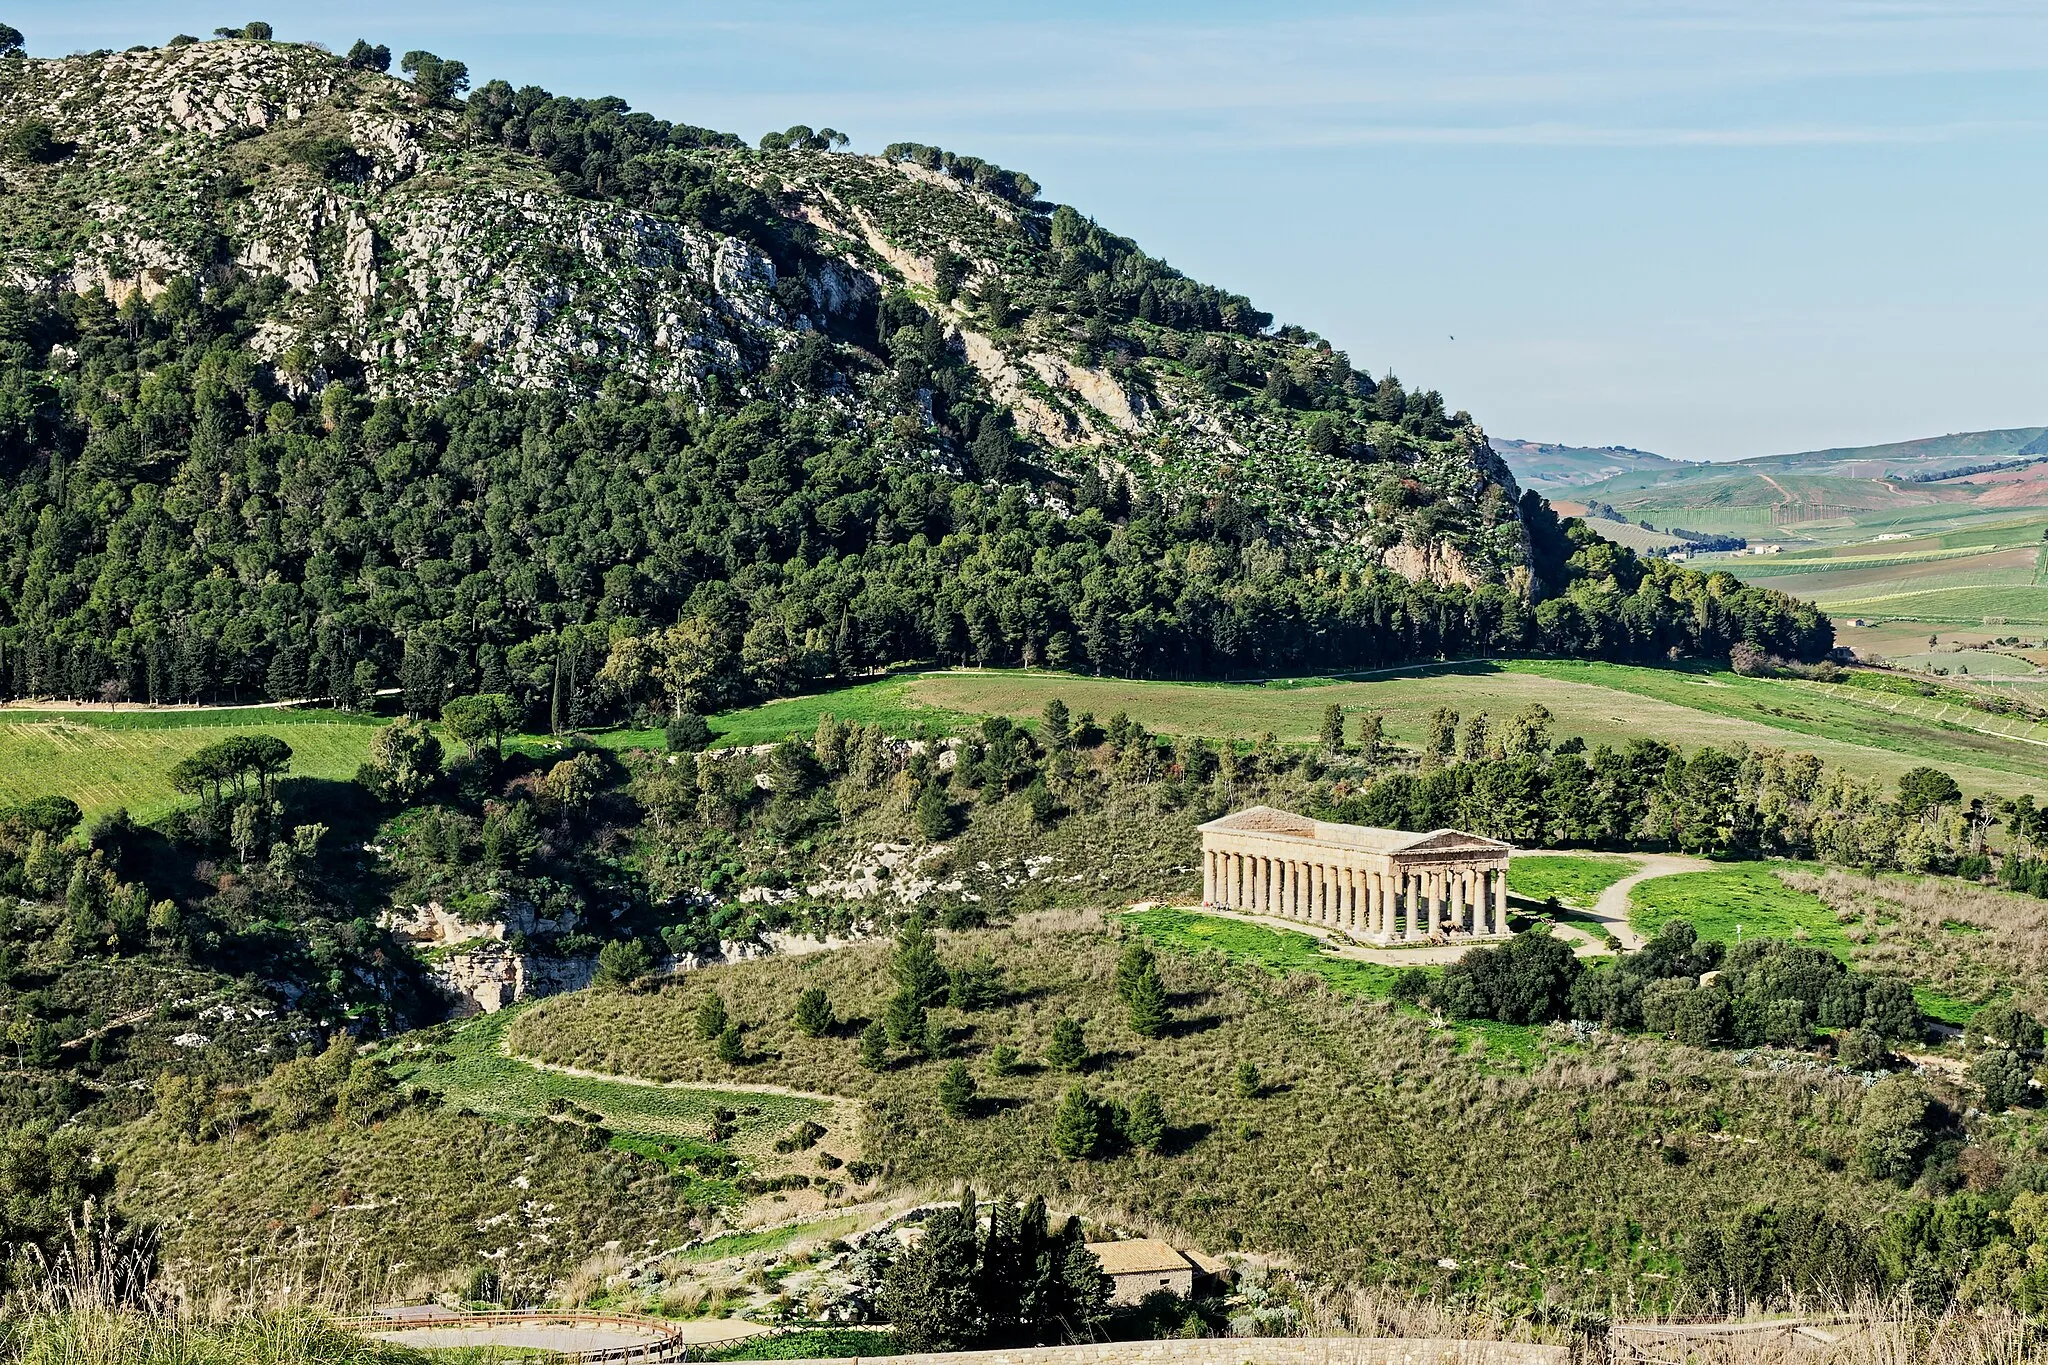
(1270,820)
(1137,1256)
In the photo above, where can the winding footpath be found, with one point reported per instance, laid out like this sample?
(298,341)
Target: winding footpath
(1612,907)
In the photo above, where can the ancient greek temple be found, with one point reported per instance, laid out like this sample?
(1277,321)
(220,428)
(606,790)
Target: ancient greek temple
(1384,885)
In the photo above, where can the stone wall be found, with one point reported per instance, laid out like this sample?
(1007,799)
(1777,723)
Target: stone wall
(1253,1351)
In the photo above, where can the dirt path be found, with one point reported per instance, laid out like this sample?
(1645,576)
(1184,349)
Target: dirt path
(732,1087)
(1612,907)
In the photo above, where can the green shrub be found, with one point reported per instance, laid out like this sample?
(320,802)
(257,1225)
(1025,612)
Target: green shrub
(711,1017)
(2002,1075)
(957,1090)
(1892,1128)
(813,1013)
(1068,1050)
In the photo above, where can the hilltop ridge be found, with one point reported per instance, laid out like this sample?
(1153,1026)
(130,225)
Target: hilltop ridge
(506,391)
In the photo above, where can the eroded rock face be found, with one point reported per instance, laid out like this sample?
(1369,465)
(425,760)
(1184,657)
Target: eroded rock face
(433,926)
(493,975)
(431,260)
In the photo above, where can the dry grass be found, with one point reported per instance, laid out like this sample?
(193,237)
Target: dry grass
(413,1204)
(1969,943)
(1381,1145)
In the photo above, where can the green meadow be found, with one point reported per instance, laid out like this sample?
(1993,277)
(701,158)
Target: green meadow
(1742,900)
(1574,878)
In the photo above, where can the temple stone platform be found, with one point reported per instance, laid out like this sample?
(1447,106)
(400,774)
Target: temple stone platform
(1382,885)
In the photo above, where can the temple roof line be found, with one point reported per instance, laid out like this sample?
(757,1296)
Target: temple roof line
(1273,822)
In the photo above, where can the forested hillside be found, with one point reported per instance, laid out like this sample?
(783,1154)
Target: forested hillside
(316,381)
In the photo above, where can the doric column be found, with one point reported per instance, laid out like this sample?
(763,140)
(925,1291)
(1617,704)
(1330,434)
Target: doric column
(1254,886)
(1404,900)
(1208,876)
(1432,898)
(1500,900)
(1234,880)
(1486,877)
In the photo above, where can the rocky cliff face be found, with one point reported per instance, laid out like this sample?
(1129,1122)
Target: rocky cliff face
(413,251)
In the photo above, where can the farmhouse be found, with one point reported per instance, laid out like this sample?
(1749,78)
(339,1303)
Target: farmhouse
(1385,885)
(1139,1266)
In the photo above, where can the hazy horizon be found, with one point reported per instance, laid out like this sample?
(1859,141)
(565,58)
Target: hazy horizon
(1709,230)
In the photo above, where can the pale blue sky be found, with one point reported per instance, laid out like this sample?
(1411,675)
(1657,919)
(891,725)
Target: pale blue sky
(1705,229)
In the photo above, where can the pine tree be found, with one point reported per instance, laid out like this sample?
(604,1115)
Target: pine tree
(1134,962)
(1056,728)
(956,1091)
(1249,1084)
(915,964)
(711,1016)
(731,1047)
(1077,1126)
(1149,1013)
(904,1020)
(934,814)
(1068,1049)
(1146,1126)
(813,1014)
(874,1046)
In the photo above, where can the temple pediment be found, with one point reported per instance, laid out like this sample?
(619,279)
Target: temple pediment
(1452,841)
(1386,885)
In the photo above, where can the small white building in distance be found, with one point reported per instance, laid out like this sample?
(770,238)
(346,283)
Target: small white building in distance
(1141,1266)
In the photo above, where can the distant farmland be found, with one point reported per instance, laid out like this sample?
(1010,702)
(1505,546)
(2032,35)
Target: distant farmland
(124,759)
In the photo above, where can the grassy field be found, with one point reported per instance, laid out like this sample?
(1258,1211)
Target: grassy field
(1743,900)
(103,760)
(1606,703)
(1374,1146)
(374,1213)
(478,1076)
(1574,878)
(1276,950)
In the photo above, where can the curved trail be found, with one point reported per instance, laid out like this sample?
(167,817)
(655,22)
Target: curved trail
(730,1087)
(1612,907)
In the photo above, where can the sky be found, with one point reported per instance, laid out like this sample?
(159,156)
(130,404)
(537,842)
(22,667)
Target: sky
(1710,230)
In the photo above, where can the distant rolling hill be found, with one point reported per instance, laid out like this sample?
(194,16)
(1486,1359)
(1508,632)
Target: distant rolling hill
(1544,466)
(1843,491)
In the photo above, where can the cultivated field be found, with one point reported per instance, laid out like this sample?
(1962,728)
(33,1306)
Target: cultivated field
(106,760)
(1604,703)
